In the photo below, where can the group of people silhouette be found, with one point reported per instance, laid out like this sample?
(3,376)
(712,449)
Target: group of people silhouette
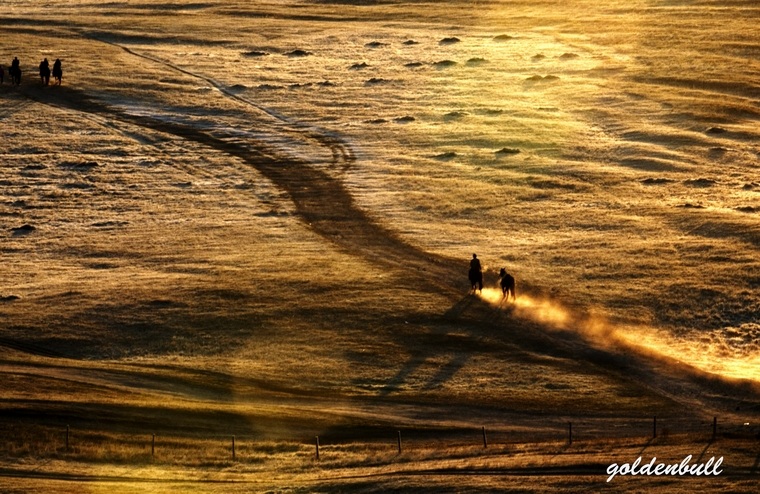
(15,72)
(45,71)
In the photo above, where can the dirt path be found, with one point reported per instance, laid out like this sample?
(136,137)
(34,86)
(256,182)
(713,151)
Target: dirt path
(343,155)
(326,206)
(321,201)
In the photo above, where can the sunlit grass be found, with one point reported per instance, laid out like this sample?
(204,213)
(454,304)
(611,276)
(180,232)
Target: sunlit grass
(169,285)
(204,465)
(730,353)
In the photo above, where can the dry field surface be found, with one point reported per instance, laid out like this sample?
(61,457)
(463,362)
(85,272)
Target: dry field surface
(237,227)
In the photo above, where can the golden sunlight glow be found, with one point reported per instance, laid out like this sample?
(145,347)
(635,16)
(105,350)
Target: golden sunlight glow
(712,356)
(491,295)
(543,311)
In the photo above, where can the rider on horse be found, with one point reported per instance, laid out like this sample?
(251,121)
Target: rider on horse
(476,273)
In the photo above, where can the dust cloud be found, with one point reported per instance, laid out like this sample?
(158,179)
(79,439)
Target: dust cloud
(730,352)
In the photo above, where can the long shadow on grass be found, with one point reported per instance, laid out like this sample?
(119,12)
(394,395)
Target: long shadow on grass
(321,201)
(123,417)
(327,208)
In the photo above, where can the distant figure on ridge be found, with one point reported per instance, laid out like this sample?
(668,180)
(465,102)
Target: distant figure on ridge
(45,72)
(15,72)
(507,282)
(57,71)
(476,274)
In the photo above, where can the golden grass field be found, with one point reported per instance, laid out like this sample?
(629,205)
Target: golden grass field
(254,220)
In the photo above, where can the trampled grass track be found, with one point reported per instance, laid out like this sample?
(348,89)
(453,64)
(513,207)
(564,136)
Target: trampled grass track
(343,155)
(320,200)
(326,206)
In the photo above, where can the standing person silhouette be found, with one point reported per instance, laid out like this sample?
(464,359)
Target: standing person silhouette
(45,72)
(476,274)
(57,71)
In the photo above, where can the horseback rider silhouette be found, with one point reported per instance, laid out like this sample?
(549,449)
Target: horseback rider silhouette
(15,72)
(45,72)
(476,274)
(57,71)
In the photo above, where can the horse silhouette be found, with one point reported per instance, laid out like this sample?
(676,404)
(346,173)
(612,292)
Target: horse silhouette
(507,282)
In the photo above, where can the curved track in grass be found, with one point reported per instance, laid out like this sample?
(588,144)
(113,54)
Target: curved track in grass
(342,154)
(324,204)
(321,201)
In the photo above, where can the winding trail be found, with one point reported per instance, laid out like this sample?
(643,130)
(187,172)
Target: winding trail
(341,151)
(326,206)
(321,201)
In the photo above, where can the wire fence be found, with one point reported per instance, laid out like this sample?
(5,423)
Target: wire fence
(83,442)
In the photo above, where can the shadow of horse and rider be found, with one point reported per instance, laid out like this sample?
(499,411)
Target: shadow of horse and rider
(444,336)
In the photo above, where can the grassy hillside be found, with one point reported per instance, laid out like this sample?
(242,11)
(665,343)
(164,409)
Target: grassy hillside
(255,221)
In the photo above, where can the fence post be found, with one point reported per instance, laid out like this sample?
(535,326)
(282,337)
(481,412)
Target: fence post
(233,448)
(715,427)
(317,448)
(68,431)
(485,440)
(399,442)
(153,447)
(569,433)
(654,427)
